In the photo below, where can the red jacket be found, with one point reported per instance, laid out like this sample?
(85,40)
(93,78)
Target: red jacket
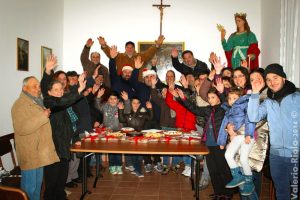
(184,118)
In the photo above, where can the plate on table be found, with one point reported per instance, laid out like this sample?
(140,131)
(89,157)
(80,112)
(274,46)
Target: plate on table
(152,131)
(173,133)
(127,129)
(134,134)
(153,135)
(115,134)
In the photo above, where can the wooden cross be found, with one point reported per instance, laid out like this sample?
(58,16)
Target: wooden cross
(161,7)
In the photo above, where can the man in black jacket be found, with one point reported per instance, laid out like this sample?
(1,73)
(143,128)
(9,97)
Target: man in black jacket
(190,64)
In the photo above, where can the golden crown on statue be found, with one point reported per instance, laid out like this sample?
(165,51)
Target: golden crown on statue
(241,14)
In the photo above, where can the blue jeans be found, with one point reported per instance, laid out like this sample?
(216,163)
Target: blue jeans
(115,159)
(187,160)
(31,182)
(284,177)
(137,162)
(175,160)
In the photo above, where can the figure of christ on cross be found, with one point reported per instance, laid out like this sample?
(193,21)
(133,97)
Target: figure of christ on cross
(161,7)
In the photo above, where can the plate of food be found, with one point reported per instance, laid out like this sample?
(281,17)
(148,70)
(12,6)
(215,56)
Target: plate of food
(152,131)
(153,135)
(172,133)
(134,134)
(127,129)
(115,134)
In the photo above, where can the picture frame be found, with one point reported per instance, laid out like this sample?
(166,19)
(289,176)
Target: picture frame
(22,54)
(45,51)
(163,56)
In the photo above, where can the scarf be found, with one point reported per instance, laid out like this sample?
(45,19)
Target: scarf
(37,100)
(288,88)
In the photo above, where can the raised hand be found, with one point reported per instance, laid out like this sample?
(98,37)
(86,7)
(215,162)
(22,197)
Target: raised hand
(183,81)
(159,40)
(51,63)
(89,43)
(223,34)
(148,105)
(124,95)
(153,81)
(257,85)
(121,105)
(219,85)
(180,93)
(113,51)
(174,53)
(174,92)
(87,92)
(102,41)
(217,64)
(212,56)
(100,92)
(96,71)
(96,87)
(82,82)
(138,63)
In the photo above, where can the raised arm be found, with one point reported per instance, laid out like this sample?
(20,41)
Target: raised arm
(51,64)
(104,46)
(86,63)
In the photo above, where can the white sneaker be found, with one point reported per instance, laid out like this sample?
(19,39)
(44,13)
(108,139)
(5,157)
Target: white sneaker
(187,171)
(130,168)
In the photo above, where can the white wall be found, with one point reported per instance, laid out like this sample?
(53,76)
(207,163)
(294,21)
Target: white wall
(192,21)
(270,32)
(41,23)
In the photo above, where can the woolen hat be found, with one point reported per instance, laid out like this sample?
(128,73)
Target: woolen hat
(275,69)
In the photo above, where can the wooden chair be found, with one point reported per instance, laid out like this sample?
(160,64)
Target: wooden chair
(10,193)
(6,148)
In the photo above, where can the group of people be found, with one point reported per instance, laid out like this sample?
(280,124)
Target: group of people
(231,107)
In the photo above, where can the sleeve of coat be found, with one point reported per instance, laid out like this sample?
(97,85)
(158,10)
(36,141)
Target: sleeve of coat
(222,137)
(121,116)
(192,107)
(61,103)
(24,122)
(206,85)
(177,65)
(148,54)
(86,63)
(46,80)
(256,111)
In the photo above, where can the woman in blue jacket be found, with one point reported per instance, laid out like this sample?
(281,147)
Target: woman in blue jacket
(282,111)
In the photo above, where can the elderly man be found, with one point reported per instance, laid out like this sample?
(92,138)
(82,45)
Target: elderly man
(89,65)
(127,58)
(33,137)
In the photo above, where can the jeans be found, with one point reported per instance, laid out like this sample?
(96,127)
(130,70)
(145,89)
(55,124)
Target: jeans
(115,159)
(284,177)
(187,160)
(31,182)
(137,162)
(238,143)
(175,160)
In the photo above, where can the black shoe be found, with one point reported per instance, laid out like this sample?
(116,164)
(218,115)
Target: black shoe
(77,180)
(71,185)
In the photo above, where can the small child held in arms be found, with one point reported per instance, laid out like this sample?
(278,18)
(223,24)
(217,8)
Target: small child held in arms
(136,119)
(111,121)
(241,131)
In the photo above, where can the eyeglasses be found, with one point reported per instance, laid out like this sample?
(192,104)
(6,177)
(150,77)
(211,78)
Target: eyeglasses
(239,76)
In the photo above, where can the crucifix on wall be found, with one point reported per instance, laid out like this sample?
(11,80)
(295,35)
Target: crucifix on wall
(161,7)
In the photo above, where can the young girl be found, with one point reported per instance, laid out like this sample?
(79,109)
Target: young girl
(111,121)
(241,131)
(136,119)
(216,163)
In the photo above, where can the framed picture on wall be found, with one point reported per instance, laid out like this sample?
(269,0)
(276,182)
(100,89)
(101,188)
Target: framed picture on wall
(163,56)
(22,54)
(45,51)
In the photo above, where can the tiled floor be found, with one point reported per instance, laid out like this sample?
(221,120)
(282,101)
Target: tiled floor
(153,187)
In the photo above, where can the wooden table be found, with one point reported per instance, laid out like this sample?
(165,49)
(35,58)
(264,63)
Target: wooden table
(198,150)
